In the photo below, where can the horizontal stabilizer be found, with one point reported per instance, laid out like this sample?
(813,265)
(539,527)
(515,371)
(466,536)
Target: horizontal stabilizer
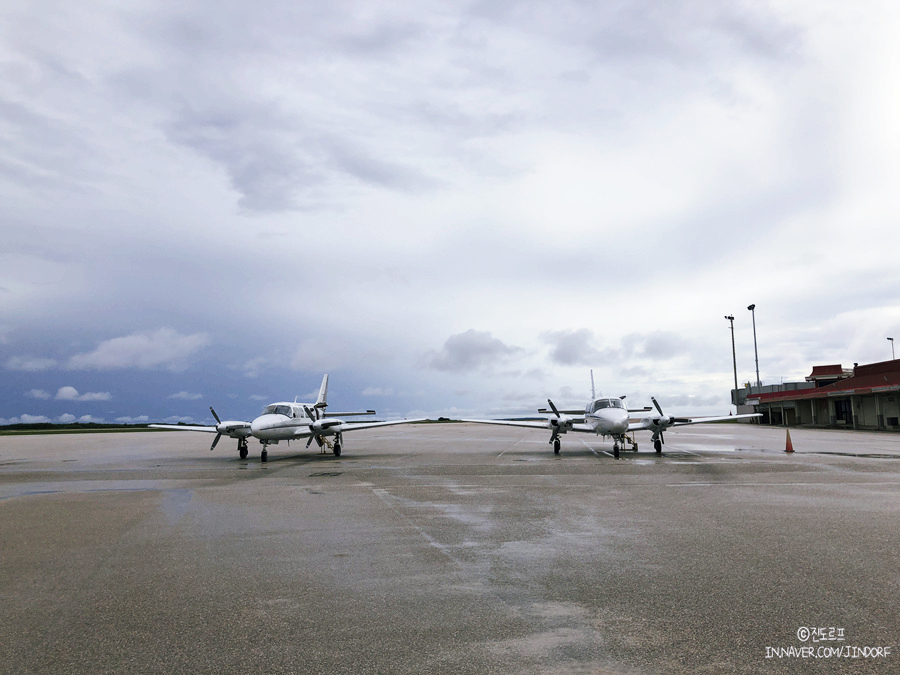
(348,414)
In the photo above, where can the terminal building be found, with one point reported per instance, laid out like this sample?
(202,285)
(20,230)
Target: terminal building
(862,397)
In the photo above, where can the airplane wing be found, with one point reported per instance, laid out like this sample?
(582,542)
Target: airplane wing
(339,426)
(183,427)
(356,426)
(721,418)
(532,424)
(227,429)
(646,423)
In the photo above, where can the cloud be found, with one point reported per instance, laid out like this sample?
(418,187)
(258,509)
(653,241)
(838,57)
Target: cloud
(377,391)
(659,345)
(141,419)
(253,366)
(71,394)
(470,351)
(573,347)
(30,364)
(175,419)
(162,348)
(185,396)
(69,418)
(26,419)
(38,394)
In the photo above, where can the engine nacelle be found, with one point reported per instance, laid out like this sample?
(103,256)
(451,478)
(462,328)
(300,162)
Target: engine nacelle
(563,423)
(662,422)
(318,426)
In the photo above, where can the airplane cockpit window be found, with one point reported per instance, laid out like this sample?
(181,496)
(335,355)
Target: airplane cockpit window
(606,403)
(277,410)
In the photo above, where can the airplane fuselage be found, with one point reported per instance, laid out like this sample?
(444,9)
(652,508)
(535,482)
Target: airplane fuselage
(607,417)
(287,421)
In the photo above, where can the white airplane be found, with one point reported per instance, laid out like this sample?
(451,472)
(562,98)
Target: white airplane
(286,421)
(609,417)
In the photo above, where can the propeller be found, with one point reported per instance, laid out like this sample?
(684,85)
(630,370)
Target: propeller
(218,432)
(558,423)
(664,421)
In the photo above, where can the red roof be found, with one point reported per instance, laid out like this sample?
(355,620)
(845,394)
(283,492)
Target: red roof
(826,371)
(867,379)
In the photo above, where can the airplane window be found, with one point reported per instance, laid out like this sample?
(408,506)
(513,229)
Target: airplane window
(617,403)
(283,410)
(598,405)
(269,410)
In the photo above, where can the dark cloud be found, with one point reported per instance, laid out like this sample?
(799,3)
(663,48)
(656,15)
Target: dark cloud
(469,351)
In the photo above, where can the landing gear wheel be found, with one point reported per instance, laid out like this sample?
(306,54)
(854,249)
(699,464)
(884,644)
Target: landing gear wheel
(242,452)
(337,450)
(616,451)
(657,445)
(556,445)
(264,456)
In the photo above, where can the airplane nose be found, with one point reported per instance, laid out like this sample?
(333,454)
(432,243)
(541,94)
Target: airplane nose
(259,425)
(619,423)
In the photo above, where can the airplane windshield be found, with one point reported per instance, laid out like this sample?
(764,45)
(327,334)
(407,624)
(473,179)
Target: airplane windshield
(607,403)
(275,409)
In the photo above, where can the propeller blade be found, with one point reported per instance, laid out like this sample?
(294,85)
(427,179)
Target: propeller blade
(657,405)
(218,421)
(553,407)
(311,414)
(215,440)
(309,442)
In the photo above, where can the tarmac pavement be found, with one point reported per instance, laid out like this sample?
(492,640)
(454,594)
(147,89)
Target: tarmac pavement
(452,548)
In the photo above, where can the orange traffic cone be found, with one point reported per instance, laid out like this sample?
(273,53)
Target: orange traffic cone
(788,446)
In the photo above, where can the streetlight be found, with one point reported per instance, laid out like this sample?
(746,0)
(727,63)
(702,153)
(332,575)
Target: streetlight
(752,309)
(892,349)
(734,359)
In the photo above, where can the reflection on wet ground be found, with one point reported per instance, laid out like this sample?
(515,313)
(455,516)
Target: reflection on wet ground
(446,548)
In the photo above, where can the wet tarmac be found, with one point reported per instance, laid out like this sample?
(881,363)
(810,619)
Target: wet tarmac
(452,548)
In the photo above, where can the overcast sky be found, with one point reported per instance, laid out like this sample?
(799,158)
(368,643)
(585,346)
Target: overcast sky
(454,208)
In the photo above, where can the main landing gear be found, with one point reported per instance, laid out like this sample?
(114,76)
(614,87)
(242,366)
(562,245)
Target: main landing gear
(657,445)
(242,448)
(325,443)
(556,446)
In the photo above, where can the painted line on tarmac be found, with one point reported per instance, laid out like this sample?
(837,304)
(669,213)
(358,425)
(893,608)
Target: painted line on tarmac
(513,446)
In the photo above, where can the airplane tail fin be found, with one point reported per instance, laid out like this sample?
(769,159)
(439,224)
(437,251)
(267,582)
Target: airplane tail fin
(322,400)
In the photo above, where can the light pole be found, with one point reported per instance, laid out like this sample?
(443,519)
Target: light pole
(752,309)
(734,360)
(892,349)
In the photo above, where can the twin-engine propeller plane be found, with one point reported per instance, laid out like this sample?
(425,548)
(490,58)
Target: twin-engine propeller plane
(609,417)
(286,421)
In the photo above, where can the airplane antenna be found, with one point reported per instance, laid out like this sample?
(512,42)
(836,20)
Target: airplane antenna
(593,393)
